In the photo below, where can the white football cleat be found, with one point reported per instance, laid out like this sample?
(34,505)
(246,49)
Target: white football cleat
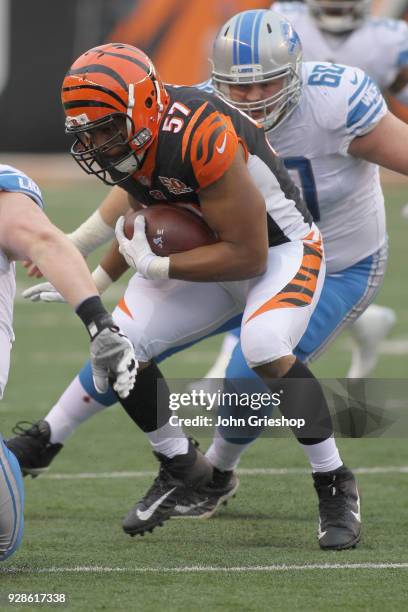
(370,329)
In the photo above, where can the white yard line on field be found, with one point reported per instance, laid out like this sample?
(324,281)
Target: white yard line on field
(243,472)
(202,568)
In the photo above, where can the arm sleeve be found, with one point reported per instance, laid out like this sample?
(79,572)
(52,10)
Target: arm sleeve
(359,109)
(15,181)
(212,146)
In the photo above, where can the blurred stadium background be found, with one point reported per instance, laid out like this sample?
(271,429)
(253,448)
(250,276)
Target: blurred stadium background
(73,513)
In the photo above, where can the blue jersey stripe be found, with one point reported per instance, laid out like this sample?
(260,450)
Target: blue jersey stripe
(371,118)
(359,90)
(359,112)
(245,38)
(256,36)
(236,40)
(17,182)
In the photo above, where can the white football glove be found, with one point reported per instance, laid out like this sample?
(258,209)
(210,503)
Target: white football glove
(45,292)
(137,252)
(113,356)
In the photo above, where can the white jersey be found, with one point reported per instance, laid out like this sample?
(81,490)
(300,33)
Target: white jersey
(343,193)
(378,46)
(15,181)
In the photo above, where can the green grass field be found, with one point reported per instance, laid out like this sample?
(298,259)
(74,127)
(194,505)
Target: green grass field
(260,552)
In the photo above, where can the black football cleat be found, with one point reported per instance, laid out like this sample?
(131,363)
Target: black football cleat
(32,447)
(339,509)
(177,477)
(202,503)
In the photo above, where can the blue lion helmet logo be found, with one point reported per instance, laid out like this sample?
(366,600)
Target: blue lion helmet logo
(291,37)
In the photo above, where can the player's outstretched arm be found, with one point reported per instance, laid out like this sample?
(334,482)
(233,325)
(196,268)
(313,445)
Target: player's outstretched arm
(386,145)
(25,232)
(96,230)
(99,228)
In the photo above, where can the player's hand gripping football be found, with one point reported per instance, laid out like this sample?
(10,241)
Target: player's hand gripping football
(112,357)
(137,252)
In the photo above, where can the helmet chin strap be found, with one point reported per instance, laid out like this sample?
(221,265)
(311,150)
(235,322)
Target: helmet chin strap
(131,103)
(132,163)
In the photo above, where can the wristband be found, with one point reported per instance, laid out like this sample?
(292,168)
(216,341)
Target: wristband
(91,234)
(158,268)
(94,316)
(101,279)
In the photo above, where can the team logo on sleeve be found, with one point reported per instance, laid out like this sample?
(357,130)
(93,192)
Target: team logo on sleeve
(175,186)
(371,95)
(28,185)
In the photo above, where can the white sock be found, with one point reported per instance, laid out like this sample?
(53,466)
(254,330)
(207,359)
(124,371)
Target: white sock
(169,440)
(225,455)
(324,456)
(73,408)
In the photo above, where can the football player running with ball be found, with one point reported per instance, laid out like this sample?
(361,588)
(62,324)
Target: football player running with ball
(179,144)
(25,232)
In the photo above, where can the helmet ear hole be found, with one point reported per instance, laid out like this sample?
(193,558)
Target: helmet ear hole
(148,103)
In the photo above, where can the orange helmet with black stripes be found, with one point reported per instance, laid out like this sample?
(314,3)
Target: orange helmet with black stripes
(113,100)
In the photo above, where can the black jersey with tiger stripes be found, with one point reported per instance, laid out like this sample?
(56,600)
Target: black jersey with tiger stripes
(186,155)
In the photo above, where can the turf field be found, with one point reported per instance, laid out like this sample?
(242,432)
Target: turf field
(260,552)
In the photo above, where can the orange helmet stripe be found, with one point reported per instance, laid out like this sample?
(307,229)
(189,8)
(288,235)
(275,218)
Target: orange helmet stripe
(145,66)
(105,90)
(99,68)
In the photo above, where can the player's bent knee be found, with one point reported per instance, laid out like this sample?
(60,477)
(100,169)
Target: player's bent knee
(261,346)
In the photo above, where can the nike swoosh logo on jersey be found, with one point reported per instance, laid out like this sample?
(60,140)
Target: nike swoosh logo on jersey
(355,80)
(221,149)
(144,515)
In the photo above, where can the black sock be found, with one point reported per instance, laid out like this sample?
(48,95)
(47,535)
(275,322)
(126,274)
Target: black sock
(303,398)
(141,404)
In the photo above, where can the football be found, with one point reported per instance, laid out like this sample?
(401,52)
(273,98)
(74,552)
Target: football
(171,229)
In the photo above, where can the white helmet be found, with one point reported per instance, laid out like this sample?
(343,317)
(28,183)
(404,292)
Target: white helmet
(259,46)
(339,16)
